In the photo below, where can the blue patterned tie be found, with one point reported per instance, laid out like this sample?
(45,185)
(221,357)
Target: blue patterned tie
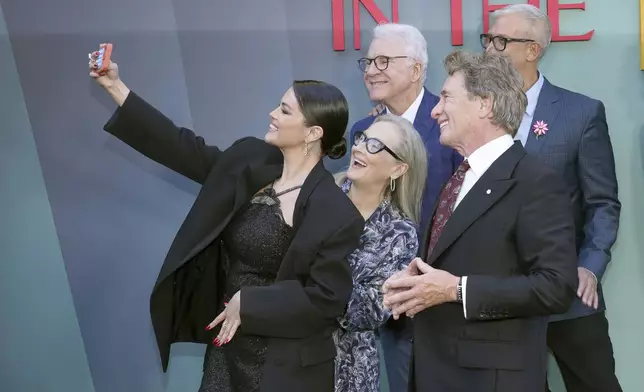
(446,203)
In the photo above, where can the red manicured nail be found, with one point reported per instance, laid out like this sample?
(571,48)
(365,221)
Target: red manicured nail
(208,327)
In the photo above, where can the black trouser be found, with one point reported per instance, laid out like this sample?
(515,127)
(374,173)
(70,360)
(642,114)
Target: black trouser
(584,353)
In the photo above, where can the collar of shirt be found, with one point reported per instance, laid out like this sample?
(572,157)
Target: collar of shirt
(481,159)
(533,95)
(410,113)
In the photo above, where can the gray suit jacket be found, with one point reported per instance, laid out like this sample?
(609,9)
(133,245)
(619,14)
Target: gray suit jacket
(577,145)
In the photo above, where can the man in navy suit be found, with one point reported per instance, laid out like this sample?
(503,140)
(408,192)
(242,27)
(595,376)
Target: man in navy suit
(394,74)
(568,131)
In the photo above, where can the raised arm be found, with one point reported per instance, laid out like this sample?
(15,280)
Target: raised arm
(288,309)
(546,241)
(148,131)
(366,310)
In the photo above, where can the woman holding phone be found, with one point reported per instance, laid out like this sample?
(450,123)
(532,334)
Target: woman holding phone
(258,270)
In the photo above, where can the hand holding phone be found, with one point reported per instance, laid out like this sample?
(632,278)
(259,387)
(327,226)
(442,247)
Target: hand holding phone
(100,60)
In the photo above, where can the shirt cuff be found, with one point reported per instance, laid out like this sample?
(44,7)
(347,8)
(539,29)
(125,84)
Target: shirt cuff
(464,291)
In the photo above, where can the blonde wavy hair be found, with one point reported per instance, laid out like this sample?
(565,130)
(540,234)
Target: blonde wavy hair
(408,193)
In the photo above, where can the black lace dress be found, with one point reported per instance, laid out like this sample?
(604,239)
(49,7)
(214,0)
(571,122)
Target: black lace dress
(255,242)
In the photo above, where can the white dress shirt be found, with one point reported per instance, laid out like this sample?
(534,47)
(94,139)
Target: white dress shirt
(528,116)
(410,113)
(480,160)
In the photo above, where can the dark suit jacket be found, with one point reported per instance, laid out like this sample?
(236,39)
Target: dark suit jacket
(298,312)
(443,160)
(577,145)
(513,237)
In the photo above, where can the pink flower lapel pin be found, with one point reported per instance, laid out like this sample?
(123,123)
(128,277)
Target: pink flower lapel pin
(540,128)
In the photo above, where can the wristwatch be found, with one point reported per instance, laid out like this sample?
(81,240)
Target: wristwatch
(459,291)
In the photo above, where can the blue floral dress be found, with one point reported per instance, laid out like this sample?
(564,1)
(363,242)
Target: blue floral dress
(388,244)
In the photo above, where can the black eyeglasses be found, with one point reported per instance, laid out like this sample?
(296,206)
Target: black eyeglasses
(372,144)
(381,62)
(500,42)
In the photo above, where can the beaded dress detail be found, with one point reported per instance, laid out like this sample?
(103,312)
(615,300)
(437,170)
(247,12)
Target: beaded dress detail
(255,242)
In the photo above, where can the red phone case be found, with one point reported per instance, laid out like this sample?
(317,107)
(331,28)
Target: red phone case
(103,60)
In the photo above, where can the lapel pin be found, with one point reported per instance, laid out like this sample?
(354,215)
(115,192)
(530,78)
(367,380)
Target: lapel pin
(488,192)
(540,128)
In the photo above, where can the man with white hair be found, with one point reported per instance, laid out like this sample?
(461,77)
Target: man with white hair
(394,73)
(568,131)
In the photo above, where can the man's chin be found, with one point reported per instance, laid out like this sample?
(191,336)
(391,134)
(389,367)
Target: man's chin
(444,139)
(377,96)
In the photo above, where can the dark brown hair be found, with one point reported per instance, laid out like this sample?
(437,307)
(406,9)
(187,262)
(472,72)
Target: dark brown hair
(324,105)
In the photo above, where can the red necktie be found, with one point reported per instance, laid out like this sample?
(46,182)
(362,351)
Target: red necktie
(446,203)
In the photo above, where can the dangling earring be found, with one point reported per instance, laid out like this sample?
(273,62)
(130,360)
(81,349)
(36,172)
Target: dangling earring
(392,184)
(306,148)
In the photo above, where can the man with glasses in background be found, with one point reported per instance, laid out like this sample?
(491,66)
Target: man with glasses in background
(568,131)
(394,72)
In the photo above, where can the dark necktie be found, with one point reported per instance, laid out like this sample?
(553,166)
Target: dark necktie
(446,203)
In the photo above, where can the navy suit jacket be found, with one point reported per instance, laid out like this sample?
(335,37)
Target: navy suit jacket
(578,147)
(443,160)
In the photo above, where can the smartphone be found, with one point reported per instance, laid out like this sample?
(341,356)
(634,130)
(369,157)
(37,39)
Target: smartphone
(102,57)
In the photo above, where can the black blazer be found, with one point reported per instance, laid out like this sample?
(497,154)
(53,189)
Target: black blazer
(299,311)
(513,236)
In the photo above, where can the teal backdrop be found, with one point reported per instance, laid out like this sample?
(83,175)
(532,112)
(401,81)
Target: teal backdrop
(85,221)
